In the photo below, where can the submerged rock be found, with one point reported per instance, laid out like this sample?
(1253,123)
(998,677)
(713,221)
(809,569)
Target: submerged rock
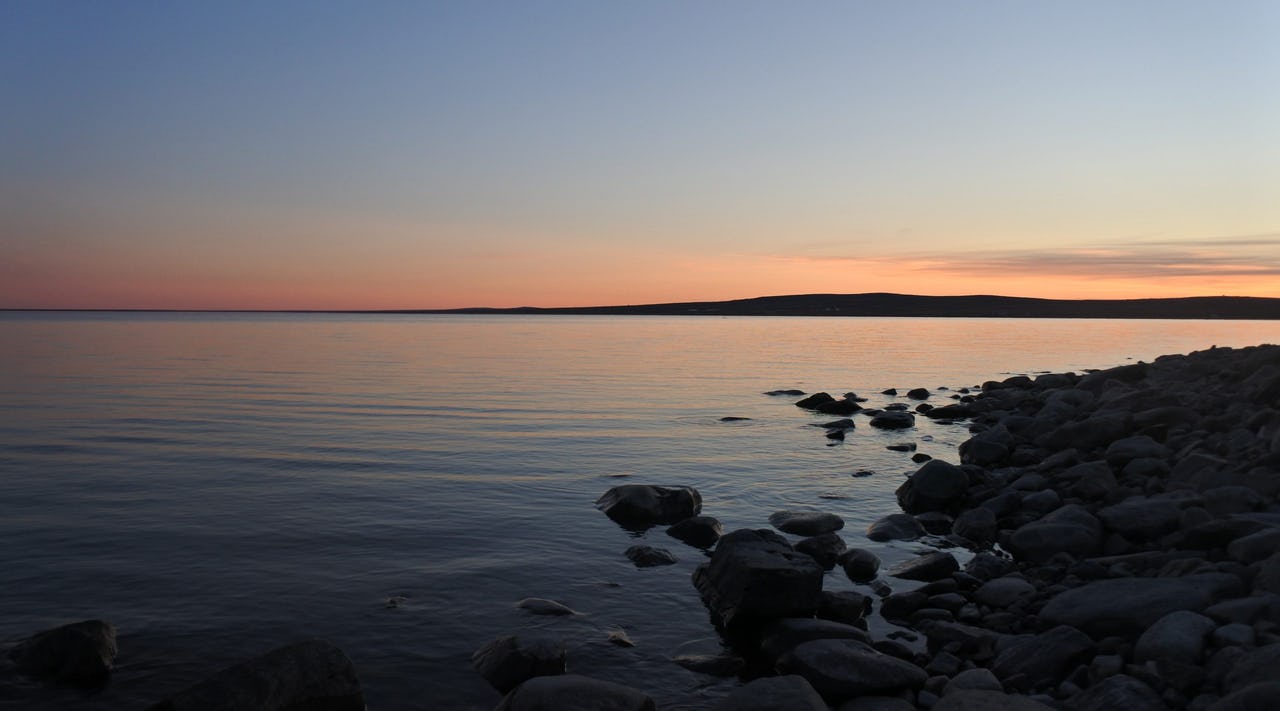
(806,523)
(644,504)
(81,653)
(542,606)
(697,531)
(508,661)
(649,556)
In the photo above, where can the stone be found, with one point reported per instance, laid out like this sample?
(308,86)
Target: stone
(927,567)
(786,392)
(982,700)
(895,527)
(901,605)
(977,525)
(507,661)
(773,693)
(1093,480)
(779,637)
(697,531)
(825,548)
(1224,500)
(1123,451)
(1262,696)
(1255,546)
(642,505)
(757,574)
(1177,637)
(1070,529)
(721,665)
(844,424)
(893,420)
(648,556)
(877,703)
(1255,666)
(1122,605)
(80,653)
(1003,592)
(935,522)
(571,692)
(1041,661)
(859,564)
(1117,692)
(806,523)
(1268,578)
(312,674)
(843,668)
(813,401)
(845,606)
(936,486)
(918,393)
(977,679)
(1235,633)
(844,406)
(1142,518)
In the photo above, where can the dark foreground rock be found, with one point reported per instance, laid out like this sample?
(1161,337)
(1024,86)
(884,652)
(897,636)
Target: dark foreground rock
(775,693)
(645,505)
(844,668)
(313,675)
(508,661)
(81,653)
(571,692)
(756,574)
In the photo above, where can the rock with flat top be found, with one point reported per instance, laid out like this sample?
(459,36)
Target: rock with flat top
(1123,605)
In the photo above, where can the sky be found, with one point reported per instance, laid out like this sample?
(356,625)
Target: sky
(380,155)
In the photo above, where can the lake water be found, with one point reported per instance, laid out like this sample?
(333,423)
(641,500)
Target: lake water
(221,484)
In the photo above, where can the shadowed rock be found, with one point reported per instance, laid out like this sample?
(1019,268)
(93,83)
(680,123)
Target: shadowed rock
(697,531)
(774,693)
(844,668)
(507,661)
(80,653)
(806,523)
(571,692)
(1122,605)
(644,504)
(757,574)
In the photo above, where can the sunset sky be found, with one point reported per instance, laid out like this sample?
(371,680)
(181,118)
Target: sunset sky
(350,155)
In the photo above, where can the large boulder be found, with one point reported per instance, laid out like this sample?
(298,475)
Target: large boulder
(844,668)
(697,531)
(773,693)
(571,692)
(312,674)
(1123,605)
(757,574)
(641,505)
(80,653)
(936,486)
(508,661)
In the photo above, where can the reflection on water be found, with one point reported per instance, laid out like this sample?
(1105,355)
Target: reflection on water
(218,485)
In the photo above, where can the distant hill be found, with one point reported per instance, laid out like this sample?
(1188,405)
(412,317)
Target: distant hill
(1198,307)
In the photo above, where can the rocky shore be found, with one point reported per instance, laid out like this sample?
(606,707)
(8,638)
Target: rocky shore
(1108,540)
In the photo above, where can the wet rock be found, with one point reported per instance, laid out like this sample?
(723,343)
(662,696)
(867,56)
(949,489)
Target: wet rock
(81,653)
(313,674)
(644,505)
(1003,592)
(895,527)
(825,548)
(859,564)
(893,420)
(789,393)
(1122,605)
(1117,692)
(806,523)
(1043,660)
(782,636)
(812,402)
(844,668)
(918,393)
(980,700)
(844,606)
(757,574)
(936,486)
(774,693)
(927,567)
(542,606)
(648,556)
(697,531)
(571,692)
(507,661)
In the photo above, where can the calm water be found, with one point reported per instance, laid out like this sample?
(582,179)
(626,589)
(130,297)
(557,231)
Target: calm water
(218,485)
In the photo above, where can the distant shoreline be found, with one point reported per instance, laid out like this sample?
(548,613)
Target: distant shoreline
(857,305)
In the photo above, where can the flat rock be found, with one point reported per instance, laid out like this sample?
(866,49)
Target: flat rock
(774,693)
(1122,605)
(927,567)
(507,661)
(641,505)
(571,692)
(895,527)
(806,523)
(981,700)
(756,573)
(81,653)
(542,606)
(843,668)
(312,674)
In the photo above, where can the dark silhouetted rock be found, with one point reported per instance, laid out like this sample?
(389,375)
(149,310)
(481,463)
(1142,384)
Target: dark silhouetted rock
(782,636)
(838,407)
(774,693)
(978,679)
(307,675)
(825,548)
(1003,592)
(812,402)
(1070,529)
(977,525)
(893,420)
(644,504)
(1117,692)
(571,692)
(648,556)
(1142,518)
(1044,659)
(790,393)
(731,418)
(980,700)
(1257,665)
(1262,696)
(859,564)
(844,668)
(895,527)
(806,523)
(918,393)
(507,661)
(927,567)
(844,424)
(80,653)
(697,531)
(844,606)
(1122,605)
(1177,637)
(936,486)
(757,574)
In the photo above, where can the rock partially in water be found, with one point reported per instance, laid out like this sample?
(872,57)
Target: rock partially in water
(645,504)
(756,574)
(895,527)
(570,692)
(813,401)
(806,523)
(697,531)
(649,556)
(927,567)
(508,661)
(789,393)
(732,418)
(859,564)
(80,654)
(936,486)
(894,420)
(825,548)
(312,674)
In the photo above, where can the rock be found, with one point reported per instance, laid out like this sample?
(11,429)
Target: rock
(541,606)
(506,661)
(1142,518)
(756,574)
(1225,500)
(312,674)
(1122,605)
(1177,637)
(1117,692)
(1091,433)
(697,531)
(1042,661)
(825,548)
(977,525)
(648,556)
(1093,480)
(936,486)
(1070,529)
(643,505)
(845,424)
(812,402)
(980,700)
(806,523)
(1234,634)
(1255,546)
(735,419)
(620,638)
(782,636)
(859,564)
(1123,451)
(1262,696)
(1003,592)
(918,393)
(935,522)
(721,665)
(844,668)
(1256,666)
(895,527)
(893,420)
(838,407)
(774,693)
(571,692)
(978,679)
(927,567)
(877,703)
(844,606)
(789,393)
(985,566)
(80,653)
